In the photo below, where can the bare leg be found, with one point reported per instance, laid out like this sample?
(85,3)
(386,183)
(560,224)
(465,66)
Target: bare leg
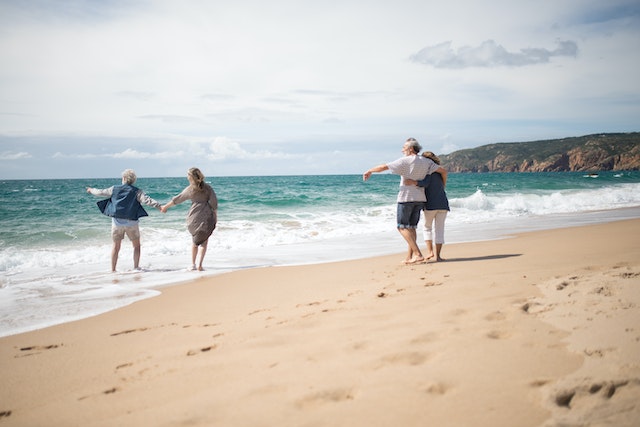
(438,249)
(414,254)
(429,248)
(114,254)
(136,253)
(203,252)
(194,254)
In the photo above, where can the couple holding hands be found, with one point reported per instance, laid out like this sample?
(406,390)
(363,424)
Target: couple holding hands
(124,206)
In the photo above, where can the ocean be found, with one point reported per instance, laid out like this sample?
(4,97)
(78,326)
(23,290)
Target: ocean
(55,245)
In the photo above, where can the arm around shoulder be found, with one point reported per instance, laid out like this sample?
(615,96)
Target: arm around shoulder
(443,172)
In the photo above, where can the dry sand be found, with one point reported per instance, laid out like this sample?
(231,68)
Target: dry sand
(542,329)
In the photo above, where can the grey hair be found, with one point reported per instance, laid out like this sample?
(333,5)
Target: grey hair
(414,145)
(129,176)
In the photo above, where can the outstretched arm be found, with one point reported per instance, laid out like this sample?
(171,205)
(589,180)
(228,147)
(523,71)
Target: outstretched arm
(379,168)
(167,206)
(184,195)
(107,192)
(146,200)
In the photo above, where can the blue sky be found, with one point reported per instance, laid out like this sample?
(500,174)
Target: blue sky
(89,88)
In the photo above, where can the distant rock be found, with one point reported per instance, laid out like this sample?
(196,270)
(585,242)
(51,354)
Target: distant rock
(601,152)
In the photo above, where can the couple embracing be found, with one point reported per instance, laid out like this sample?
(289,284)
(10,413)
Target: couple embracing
(417,173)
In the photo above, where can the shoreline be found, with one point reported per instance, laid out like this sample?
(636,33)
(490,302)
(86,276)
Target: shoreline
(536,329)
(101,292)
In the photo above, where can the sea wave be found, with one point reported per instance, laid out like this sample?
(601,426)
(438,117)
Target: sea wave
(482,207)
(264,229)
(56,268)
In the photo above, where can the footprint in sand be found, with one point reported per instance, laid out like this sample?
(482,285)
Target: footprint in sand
(336,395)
(425,338)
(108,391)
(629,275)
(496,316)
(497,335)
(539,383)
(36,349)
(40,347)
(437,388)
(412,358)
(128,331)
(430,284)
(598,352)
(572,396)
(536,307)
(309,304)
(201,350)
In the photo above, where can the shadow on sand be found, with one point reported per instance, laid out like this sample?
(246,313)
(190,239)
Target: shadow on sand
(481,258)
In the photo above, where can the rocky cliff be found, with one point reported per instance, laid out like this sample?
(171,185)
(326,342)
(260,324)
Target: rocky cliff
(611,151)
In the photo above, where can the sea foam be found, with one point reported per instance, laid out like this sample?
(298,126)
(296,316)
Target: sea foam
(61,270)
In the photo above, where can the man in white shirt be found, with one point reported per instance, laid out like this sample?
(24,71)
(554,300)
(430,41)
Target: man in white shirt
(411,199)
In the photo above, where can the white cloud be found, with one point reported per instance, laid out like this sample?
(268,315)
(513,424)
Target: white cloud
(172,118)
(9,155)
(222,148)
(60,155)
(490,54)
(134,154)
(129,153)
(144,78)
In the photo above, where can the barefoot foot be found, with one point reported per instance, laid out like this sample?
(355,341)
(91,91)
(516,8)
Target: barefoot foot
(415,260)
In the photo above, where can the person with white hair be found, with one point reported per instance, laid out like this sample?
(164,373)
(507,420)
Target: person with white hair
(411,199)
(124,206)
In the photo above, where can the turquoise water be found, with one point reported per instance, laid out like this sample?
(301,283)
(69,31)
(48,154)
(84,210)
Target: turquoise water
(41,213)
(55,245)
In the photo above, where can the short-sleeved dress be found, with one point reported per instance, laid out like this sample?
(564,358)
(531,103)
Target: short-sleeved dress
(203,214)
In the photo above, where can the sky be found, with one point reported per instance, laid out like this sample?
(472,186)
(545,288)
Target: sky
(89,88)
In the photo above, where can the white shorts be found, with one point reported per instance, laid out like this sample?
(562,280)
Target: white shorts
(118,232)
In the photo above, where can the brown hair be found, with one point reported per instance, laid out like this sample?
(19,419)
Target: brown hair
(432,156)
(197,176)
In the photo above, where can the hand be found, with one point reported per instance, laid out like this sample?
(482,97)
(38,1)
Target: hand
(366,175)
(163,209)
(88,189)
(411,182)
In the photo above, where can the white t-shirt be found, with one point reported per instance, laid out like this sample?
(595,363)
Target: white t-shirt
(413,167)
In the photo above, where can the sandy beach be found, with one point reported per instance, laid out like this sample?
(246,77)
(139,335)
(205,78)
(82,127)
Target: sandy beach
(541,329)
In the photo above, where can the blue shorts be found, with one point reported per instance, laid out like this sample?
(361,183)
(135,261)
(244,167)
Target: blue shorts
(408,214)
